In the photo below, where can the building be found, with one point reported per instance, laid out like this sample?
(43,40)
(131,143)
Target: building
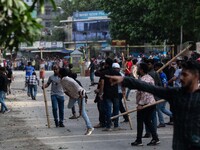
(49,15)
(87,29)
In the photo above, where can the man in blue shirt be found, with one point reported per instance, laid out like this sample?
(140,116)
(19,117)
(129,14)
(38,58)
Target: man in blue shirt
(29,71)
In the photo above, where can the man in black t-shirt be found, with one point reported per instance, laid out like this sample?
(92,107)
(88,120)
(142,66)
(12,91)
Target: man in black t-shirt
(109,95)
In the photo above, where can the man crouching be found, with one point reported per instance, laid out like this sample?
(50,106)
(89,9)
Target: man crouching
(75,93)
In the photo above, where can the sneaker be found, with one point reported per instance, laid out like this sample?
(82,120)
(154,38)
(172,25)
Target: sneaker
(98,126)
(6,111)
(56,123)
(61,124)
(170,123)
(117,129)
(137,143)
(153,142)
(161,126)
(147,135)
(89,131)
(73,117)
(107,129)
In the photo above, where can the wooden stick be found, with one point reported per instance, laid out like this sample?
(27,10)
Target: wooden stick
(46,106)
(179,54)
(133,110)
(160,101)
(129,118)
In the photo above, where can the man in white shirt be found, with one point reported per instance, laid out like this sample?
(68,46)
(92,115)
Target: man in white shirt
(75,93)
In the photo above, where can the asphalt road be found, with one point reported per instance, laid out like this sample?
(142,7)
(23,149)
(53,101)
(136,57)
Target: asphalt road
(25,127)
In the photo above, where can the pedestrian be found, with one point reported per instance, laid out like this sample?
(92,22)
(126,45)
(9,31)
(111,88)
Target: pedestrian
(92,69)
(161,107)
(185,100)
(29,71)
(121,92)
(74,116)
(145,116)
(98,100)
(109,95)
(57,96)
(76,93)
(10,78)
(3,89)
(157,81)
(33,82)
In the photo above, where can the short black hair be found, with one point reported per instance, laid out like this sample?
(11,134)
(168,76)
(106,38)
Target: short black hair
(159,65)
(150,61)
(109,62)
(144,67)
(64,72)
(191,65)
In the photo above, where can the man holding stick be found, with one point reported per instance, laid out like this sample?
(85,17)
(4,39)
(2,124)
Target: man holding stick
(57,96)
(185,99)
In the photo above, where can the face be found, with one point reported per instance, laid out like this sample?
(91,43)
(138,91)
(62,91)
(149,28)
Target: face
(150,66)
(56,70)
(188,78)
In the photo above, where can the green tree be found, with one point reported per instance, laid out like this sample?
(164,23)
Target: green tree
(16,23)
(139,21)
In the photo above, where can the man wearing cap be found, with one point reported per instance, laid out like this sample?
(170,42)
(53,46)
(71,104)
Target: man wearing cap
(121,92)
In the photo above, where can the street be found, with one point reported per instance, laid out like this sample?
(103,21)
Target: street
(25,127)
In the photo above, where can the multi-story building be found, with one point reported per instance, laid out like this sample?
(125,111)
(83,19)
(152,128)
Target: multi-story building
(49,15)
(87,28)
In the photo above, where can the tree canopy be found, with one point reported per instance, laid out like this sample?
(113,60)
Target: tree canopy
(140,21)
(16,23)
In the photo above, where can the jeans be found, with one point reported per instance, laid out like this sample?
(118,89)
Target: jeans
(121,107)
(81,103)
(127,93)
(33,91)
(161,109)
(144,117)
(101,109)
(2,101)
(58,103)
(153,120)
(92,77)
(108,111)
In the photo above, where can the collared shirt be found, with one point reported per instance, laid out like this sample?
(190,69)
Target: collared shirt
(71,87)
(144,98)
(33,80)
(186,111)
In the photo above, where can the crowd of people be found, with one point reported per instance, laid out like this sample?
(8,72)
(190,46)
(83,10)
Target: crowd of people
(178,84)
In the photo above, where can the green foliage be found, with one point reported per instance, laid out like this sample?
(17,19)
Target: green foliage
(17,24)
(139,21)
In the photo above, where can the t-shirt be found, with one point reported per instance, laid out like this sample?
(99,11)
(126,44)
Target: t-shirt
(56,87)
(110,91)
(29,70)
(177,74)
(71,87)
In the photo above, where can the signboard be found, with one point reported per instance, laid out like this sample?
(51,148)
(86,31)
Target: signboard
(118,42)
(89,14)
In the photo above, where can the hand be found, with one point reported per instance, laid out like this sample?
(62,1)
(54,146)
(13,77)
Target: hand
(139,107)
(96,91)
(115,79)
